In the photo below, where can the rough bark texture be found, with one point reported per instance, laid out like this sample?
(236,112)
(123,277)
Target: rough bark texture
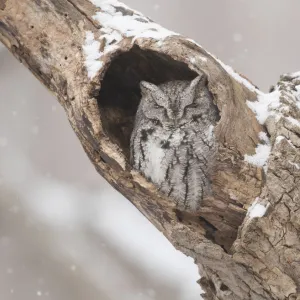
(239,257)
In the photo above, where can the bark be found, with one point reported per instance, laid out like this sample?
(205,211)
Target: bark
(93,58)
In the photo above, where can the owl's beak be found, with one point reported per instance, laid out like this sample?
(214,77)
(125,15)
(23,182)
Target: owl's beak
(171,114)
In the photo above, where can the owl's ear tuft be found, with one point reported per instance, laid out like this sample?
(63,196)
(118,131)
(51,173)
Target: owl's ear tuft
(199,81)
(147,87)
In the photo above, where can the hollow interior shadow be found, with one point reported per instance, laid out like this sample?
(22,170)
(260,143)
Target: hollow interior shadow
(120,93)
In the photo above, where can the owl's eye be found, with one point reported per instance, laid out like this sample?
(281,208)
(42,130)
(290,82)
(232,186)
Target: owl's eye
(193,105)
(156,122)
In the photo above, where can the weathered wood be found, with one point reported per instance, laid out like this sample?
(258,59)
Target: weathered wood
(93,56)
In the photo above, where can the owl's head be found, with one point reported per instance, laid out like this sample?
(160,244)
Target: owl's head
(174,103)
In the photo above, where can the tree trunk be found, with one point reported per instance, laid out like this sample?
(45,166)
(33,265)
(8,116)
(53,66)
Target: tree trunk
(92,56)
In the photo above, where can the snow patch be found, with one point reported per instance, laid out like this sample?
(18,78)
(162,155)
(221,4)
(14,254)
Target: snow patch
(91,50)
(107,4)
(238,77)
(263,137)
(295,74)
(111,38)
(136,26)
(131,26)
(115,25)
(264,105)
(194,42)
(279,139)
(260,157)
(262,152)
(270,105)
(257,210)
(231,72)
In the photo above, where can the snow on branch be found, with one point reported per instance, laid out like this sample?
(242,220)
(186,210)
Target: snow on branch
(277,107)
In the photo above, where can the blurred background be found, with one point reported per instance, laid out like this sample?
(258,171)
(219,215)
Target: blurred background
(64,232)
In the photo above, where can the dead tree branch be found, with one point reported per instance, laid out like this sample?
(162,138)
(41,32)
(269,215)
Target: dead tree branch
(93,56)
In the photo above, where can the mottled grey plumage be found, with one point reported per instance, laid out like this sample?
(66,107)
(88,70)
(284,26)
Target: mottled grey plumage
(172,142)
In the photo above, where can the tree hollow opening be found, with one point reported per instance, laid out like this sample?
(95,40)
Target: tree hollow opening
(120,93)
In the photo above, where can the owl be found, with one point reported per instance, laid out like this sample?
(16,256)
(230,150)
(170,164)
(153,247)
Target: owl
(172,143)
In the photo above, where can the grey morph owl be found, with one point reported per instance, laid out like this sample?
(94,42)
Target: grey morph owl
(172,142)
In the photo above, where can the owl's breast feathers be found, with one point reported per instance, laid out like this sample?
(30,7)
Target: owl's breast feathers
(159,150)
